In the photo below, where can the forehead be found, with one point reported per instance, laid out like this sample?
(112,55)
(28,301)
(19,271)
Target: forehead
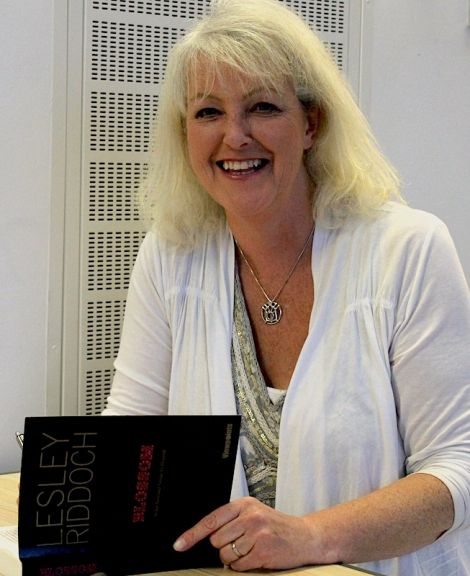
(205,80)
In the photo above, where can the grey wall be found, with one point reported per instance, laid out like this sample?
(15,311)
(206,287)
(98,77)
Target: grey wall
(25,115)
(417,96)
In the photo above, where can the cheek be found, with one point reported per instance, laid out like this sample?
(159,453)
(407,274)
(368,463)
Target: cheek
(287,136)
(192,144)
(199,147)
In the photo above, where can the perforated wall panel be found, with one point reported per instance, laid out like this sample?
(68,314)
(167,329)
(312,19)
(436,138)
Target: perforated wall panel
(126,46)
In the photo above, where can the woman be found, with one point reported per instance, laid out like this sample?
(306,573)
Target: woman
(285,280)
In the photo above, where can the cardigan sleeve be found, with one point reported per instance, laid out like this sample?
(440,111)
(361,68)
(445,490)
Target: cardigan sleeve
(430,363)
(143,364)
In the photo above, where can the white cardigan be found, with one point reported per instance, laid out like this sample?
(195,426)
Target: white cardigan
(381,387)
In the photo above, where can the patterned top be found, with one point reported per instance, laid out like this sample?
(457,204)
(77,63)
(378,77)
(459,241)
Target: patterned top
(260,410)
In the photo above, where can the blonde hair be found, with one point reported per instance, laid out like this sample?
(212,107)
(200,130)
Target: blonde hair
(264,40)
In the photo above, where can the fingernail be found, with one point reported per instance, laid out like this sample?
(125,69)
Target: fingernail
(179,545)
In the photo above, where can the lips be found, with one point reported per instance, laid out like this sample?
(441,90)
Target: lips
(242,166)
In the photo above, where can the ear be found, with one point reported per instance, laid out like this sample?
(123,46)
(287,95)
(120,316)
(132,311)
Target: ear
(312,124)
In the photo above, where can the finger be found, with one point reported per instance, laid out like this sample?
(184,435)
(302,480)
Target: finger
(234,551)
(208,525)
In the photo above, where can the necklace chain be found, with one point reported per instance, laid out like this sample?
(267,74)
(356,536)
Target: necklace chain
(271,311)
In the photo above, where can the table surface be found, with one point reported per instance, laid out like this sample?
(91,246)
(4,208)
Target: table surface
(9,517)
(8,496)
(333,570)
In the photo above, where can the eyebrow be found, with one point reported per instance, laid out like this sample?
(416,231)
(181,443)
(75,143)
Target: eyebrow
(203,95)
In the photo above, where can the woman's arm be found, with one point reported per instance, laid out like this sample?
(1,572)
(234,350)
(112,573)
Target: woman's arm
(389,522)
(405,516)
(143,365)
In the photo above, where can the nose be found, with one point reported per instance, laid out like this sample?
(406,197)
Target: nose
(237,132)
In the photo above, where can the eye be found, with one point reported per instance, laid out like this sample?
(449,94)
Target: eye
(265,108)
(207,113)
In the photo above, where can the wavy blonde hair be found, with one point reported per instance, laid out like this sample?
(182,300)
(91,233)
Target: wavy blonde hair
(266,42)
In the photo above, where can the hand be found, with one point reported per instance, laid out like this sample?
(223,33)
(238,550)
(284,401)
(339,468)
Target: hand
(250,535)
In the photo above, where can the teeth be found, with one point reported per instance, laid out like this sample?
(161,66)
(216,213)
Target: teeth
(241,164)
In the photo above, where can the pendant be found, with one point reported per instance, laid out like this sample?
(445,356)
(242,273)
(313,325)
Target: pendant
(271,312)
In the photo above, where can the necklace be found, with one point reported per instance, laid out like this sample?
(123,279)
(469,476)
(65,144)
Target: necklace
(271,311)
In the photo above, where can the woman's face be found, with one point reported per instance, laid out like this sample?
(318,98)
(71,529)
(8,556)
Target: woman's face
(246,145)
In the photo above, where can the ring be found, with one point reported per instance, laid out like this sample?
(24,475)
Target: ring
(236,551)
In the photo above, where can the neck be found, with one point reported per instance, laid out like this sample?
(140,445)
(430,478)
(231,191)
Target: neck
(271,310)
(260,240)
(279,230)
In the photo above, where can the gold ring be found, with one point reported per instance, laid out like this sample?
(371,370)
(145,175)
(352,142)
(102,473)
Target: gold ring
(236,551)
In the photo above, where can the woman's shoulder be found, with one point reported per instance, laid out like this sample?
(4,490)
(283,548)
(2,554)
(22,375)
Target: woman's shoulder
(396,236)
(403,217)
(155,241)
(377,255)
(396,224)
(163,256)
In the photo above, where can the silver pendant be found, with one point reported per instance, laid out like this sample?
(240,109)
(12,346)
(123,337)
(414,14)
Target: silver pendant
(271,312)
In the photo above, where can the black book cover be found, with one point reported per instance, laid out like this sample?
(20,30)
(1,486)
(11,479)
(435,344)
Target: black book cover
(112,493)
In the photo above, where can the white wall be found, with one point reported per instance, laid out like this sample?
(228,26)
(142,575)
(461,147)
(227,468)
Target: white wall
(417,97)
(416,92)
(25,128)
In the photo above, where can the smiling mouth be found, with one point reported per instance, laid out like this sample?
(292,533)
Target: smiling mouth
(242,166)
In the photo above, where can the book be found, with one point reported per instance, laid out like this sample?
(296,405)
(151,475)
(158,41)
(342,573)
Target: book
(10,564)
(112,493)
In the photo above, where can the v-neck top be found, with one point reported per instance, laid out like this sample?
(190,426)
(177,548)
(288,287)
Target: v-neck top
(260,410)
